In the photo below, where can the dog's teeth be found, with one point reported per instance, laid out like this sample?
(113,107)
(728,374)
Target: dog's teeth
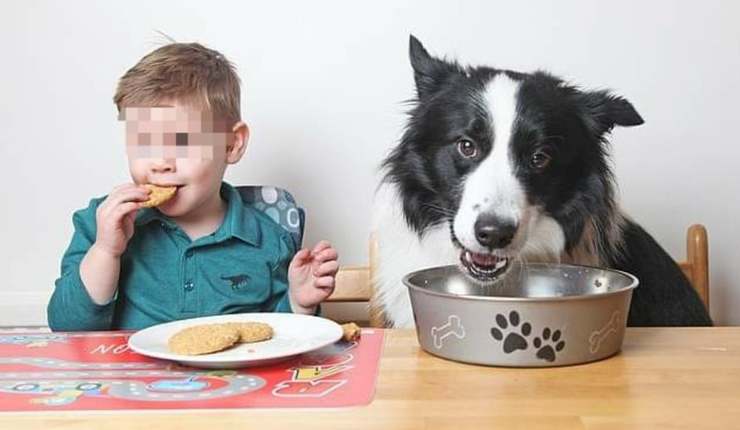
(485,260)
(485,267)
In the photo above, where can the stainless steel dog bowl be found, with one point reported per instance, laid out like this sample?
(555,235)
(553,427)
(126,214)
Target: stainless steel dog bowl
(539,315)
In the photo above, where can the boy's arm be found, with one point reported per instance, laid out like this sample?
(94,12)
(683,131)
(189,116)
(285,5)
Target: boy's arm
(84,294)
(279,300)
(71,307)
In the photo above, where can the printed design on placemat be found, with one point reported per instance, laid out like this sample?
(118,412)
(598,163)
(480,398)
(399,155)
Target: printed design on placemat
(98,371)
(311,377)
(453,327)
(598,336)
(32,340)
(73,380)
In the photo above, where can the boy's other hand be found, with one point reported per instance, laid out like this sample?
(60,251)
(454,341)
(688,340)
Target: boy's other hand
(311,276)
(115,218)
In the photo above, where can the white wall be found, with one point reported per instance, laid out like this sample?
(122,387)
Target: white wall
(323,89)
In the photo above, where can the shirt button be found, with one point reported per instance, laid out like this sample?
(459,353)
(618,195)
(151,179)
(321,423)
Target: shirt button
(189,286)
(189,253)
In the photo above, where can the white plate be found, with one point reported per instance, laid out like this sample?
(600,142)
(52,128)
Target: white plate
(293,334)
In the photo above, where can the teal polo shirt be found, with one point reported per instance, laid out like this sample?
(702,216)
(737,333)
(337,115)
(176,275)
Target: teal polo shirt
(241,267)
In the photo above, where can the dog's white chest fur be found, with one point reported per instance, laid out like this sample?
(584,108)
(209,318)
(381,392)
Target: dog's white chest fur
(400,251)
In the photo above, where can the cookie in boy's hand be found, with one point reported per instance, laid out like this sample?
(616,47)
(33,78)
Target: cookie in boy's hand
(203,339)
(250,332)
(158,195)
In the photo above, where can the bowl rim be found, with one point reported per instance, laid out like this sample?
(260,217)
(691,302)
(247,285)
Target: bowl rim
(634,284)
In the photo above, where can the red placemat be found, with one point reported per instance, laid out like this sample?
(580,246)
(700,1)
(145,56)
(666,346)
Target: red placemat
(97,371)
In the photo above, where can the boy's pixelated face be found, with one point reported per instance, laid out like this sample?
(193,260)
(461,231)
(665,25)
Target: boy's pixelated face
(178,146)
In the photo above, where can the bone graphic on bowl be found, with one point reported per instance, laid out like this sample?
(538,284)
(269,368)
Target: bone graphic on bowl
(453,327)
(598,336)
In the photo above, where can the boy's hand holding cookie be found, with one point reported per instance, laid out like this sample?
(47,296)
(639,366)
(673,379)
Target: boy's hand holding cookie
(311,276)
(115,218)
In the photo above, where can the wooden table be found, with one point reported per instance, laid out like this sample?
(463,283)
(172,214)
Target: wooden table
(664,378)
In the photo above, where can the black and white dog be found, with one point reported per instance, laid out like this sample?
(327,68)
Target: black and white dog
(497,167)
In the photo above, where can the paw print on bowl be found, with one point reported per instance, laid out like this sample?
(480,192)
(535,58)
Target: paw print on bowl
(508,330)
(549,344)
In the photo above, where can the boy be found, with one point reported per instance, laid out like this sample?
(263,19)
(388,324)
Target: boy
(130,267)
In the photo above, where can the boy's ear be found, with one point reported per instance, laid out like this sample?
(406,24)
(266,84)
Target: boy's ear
(429,72)
(237,143)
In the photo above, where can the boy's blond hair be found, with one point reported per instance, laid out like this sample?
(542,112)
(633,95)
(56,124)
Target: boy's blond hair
(187,72)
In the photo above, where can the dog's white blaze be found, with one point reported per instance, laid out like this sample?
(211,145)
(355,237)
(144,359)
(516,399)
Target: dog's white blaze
(493,187)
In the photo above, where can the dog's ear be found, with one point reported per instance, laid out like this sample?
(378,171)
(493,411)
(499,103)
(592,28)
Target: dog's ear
(603,110)
(429,72)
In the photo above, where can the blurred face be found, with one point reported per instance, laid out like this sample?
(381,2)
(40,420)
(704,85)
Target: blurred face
(183,147)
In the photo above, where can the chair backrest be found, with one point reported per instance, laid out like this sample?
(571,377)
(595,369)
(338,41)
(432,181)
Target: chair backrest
(696,266)
(354,283)
(279,205)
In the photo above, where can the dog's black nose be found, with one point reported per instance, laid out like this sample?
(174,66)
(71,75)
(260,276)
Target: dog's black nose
(492,232)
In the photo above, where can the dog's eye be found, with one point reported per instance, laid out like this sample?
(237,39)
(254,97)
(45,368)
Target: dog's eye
(540,160)
(467,148)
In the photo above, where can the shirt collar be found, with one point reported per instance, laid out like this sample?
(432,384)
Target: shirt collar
(239,221)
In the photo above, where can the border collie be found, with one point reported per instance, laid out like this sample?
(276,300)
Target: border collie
(497,168)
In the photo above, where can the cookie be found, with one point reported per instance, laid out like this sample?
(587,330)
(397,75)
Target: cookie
(203,339)
(350,332)
(158,195)
(250,332)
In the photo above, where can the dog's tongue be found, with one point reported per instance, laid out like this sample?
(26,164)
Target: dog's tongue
(484,259)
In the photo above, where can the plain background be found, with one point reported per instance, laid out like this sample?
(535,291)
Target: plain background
(323,90)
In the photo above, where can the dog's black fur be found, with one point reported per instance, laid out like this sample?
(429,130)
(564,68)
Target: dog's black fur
(665,297)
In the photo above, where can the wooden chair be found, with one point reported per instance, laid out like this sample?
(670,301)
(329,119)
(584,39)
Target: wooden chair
(696,266)
(354,284)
